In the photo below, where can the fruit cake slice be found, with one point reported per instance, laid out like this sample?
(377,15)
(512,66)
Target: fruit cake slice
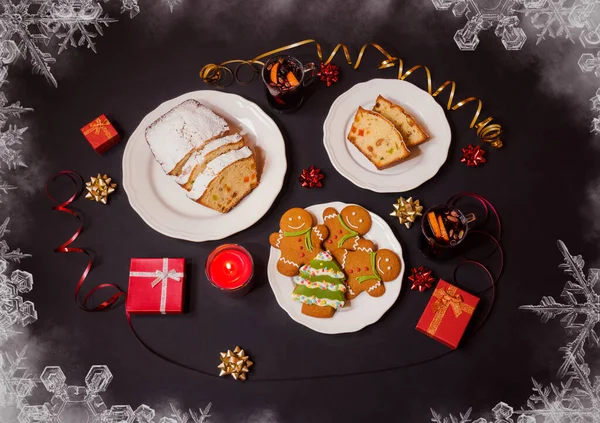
(378,139)
(175,136)
(226,180)
(412,133)
(213,149)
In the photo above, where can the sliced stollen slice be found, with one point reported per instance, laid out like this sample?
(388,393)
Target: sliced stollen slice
(175,136)
(378,139)
(226,180)
(211,150)
(410,130)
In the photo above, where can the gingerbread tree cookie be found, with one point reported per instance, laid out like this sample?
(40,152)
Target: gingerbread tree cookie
(320,286)
(298,240)
(346,228)
(366,271)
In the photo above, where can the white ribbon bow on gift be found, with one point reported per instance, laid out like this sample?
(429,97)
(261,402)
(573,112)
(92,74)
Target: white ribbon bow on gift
(161,276)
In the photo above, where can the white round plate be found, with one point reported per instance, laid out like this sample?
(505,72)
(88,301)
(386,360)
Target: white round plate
(425,160)
(364,310)
(164,205)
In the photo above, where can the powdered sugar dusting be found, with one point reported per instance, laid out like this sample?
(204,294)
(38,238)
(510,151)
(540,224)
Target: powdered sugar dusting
(215,167)
(182,129)
(199,156)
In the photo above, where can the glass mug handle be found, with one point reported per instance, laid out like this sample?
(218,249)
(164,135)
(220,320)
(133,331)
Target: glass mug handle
(470,217)
(309,78)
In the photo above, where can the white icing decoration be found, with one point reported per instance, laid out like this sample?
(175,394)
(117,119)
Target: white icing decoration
(318,301)
(290,219)
(374,286)
(279,238)
(360,220)
(319,234)
(199,156)
(387,259)
(353,213)
(286,261)
(344,259)
(296,227)
(215,167)
(182,129)
(324,256)
(330,216)
(389,268)
(350,224)
(379,267)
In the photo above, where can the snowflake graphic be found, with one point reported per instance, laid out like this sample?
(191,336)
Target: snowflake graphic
(570,19)
(576,399)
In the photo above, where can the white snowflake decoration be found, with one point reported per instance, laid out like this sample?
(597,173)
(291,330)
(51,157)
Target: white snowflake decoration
(479,18)
(570,19)
(577,398)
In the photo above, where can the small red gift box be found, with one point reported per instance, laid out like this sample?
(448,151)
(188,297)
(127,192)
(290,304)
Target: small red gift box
(447,314)
(100,134)
(156,285)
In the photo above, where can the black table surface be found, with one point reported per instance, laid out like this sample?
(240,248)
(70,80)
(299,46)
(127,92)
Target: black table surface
(537,182)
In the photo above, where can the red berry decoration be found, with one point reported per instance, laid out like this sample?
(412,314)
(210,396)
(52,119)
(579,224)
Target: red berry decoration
(311,177)
(329,73)
(473,156)
(421,278)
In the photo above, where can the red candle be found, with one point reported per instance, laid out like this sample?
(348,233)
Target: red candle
(230,268)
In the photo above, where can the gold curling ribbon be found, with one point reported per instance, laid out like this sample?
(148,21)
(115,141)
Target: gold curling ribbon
(447,298)
(213,74)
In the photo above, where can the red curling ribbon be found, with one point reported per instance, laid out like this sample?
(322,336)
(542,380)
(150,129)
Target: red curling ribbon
(66,248)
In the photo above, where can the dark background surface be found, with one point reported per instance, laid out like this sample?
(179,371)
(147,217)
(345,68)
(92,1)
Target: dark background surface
(534,180)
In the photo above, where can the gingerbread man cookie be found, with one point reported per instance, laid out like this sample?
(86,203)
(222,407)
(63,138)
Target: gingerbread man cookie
(366,271)
(347,227)
(298,240)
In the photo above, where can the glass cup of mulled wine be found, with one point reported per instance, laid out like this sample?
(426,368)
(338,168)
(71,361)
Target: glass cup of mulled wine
(443,229)
(285,78)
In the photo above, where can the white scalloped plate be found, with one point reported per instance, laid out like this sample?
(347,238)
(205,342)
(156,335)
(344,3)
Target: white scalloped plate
(364,309)
(163,205)
(425,160)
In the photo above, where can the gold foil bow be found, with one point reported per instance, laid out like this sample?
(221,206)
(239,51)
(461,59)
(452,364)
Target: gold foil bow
(447,298)
(235,363)
(407,210)
(215,74)
(99,188)
(97,126)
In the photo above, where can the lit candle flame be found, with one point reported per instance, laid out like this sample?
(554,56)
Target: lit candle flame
(228,266)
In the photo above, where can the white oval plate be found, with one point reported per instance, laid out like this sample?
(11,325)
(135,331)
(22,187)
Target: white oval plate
(425,160)
(164,205)
(364,310)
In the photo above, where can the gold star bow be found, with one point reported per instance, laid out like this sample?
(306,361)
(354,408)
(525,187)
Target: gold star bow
(235,363)
(407,211)
(99,188)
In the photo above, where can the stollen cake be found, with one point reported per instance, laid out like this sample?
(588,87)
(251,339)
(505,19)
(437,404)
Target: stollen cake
(176,135)
(200,158)
(408,127)
(225,180)
(377,138)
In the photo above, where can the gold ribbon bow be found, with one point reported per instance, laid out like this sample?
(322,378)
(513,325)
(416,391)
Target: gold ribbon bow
(99,188)
(215,74)
(447,298)
(235,363)
(97,126)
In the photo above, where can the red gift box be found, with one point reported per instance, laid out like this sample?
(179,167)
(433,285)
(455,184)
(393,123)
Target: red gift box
(447,314)
(156,285)
(100,134)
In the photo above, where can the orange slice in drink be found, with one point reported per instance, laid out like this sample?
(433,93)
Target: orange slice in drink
(274,70)
(292,79)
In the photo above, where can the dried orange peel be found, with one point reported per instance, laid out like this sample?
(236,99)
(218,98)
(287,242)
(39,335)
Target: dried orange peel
(445,236)
(433,223)
(274,70)
(292,79)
